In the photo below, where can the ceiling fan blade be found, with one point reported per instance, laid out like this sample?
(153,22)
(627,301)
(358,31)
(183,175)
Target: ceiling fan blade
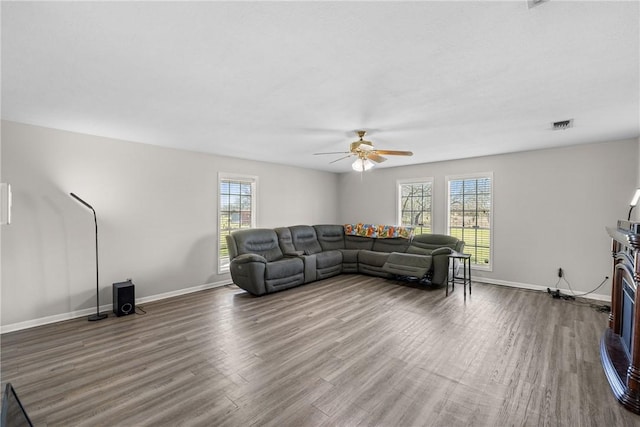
(395,152)
(376,158)
(341,158)
(332,152)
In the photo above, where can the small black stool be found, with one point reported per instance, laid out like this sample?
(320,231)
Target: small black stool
(466,269)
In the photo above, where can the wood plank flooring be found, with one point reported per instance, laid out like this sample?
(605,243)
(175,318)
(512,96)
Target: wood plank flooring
(347,351)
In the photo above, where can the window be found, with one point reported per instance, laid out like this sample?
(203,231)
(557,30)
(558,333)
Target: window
(414,204)
(470,216)
(236,210)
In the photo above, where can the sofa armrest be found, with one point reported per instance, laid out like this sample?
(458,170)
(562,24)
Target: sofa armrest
(247,271)
(310,271)
(246,258)
(440,265)
(440,251)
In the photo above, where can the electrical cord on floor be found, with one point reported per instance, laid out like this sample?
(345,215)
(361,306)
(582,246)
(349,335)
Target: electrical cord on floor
(558,294)
(139,307)
(564,277)
(601,308)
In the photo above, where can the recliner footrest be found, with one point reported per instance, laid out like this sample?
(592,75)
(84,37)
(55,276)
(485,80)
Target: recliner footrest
(403,264)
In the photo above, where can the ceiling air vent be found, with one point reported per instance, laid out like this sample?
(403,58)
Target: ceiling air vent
(562,125)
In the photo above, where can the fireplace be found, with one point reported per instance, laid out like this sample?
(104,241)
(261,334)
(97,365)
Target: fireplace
(628,298)
(620,344)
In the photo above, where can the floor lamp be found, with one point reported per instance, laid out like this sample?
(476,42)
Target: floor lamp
(634,202)
(96,316)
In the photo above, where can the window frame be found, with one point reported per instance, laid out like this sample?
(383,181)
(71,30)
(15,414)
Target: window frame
(247,179)
(463,177)
(399,184)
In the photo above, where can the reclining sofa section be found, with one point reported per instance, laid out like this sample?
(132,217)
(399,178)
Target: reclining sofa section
(269,260)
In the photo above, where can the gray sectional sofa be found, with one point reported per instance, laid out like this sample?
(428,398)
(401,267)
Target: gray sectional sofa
(269,260)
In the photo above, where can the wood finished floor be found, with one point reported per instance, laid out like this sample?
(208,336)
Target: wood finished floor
(347,351)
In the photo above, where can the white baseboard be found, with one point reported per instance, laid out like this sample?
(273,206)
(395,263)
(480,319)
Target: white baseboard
(106,307)
(179,292)
(597,297)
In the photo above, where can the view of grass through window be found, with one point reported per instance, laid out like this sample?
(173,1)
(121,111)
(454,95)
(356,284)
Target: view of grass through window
(470,216)
(236,212)
(415,206)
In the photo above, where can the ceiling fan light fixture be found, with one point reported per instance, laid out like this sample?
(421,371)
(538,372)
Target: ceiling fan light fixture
(361,165)
(366,155)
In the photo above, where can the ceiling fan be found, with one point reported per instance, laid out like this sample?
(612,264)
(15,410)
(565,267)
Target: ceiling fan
(365,154)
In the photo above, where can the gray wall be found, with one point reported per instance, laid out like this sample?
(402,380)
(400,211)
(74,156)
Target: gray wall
(550,208)
(157,216)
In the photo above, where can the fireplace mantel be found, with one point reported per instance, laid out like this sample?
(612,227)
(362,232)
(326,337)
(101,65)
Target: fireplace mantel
(620,344)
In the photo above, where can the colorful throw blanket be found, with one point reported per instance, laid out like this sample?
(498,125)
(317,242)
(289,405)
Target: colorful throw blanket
(378,231)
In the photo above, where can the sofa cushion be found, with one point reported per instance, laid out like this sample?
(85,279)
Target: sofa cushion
(350,255)
(372,258)
(331,237)
(285,240)
(357,242)
(305,239)
(349,260)
(390,245)
(418,250)
(261,241)
(328,259)
(284,267)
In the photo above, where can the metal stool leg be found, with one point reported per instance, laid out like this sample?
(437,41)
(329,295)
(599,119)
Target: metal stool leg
(469,277)
(464,284)
(448,278)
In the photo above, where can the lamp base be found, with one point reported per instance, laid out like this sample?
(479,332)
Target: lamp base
(97,316)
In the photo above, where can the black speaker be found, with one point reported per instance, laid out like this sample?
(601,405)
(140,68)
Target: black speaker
(124,298)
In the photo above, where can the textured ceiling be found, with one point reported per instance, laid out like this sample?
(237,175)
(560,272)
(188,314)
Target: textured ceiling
(280,81)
